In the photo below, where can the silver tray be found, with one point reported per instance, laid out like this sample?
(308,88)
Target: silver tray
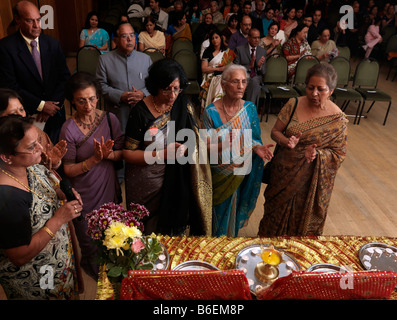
(163,260)
(195,265)
(326,268)
(378,256)
(248,258)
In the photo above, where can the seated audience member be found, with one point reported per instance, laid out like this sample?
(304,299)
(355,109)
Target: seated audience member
(296,47)
(34,229)
(240,37)
(151,37)
(51,156)
(193,13)
(270,43)
(372,37)
(214,60)
(324,48)
(231,28)
(389,19)
(234,10)
(267,20)
(94,36)
(155,11)
(179,29)
(168,188)
(252,57)
(217,16)
(203,30)
(173,10)
(226,9)
(288,23)
(89,160)
(257,15)
(316,27)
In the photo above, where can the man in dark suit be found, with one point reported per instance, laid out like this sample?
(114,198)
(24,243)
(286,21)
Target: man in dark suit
(253,58)
(34,65)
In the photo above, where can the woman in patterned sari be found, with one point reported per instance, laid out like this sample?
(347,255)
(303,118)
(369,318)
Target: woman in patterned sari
(177,194)
(89,160)
(235,140)
(215,58)
(310,153)
(36,251)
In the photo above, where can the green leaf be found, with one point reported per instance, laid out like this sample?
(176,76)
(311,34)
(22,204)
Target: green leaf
(115,271)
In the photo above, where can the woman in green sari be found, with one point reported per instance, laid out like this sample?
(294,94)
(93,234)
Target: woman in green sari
(310,153)
(237,171)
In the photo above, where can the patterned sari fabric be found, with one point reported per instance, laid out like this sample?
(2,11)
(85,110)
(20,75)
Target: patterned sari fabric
(98,38)
(235,193)
(292,48)
(298,195)
(56,261)
(211,89)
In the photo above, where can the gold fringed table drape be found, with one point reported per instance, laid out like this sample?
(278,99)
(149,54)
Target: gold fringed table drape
(222,251)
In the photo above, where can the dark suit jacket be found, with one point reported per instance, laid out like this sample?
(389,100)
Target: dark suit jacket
(243,57)
(18,72)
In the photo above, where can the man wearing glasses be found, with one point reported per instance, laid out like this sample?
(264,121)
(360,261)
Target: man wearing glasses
(240,37)
(121,74)
(34,65)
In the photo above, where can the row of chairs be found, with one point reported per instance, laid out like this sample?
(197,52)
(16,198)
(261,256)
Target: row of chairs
(364,86)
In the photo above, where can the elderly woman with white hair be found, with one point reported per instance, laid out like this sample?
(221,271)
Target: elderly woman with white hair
(234,137)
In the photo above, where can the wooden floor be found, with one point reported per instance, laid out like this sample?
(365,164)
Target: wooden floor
(363,202)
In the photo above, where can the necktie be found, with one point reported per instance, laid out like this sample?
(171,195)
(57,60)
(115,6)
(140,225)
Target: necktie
(252,65)
(36,57)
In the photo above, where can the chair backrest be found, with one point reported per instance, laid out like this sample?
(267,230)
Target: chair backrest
(181,43)
(304,64)
(366,74)
(188,60)
(342,68)
(392,44)
(344,52)
(387,33)
(276,69)
(87,59)
(154,54)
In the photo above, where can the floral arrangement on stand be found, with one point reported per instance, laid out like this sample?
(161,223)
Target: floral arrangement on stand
(118,234)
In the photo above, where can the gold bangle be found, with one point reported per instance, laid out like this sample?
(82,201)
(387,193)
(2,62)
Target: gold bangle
(49,232)
(85,167)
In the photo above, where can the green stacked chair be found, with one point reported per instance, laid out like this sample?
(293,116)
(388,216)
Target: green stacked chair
(275,83)
(181,43)
(365,82)
(154,54)
(188,60)
(303,64)
(342,91)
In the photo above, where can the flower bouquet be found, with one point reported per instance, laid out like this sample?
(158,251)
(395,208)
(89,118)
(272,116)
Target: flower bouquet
(118,234)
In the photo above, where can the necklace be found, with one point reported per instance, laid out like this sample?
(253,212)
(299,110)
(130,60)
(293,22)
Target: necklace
(161,111)
(30,190)
(225,112)
(86,125)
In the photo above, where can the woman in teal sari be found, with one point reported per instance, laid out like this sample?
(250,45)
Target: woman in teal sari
(235,138)
(92,35)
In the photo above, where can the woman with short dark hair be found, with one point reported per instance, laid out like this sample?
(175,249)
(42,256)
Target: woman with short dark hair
(94,139)
(176,193)
(311,133)
(35,240)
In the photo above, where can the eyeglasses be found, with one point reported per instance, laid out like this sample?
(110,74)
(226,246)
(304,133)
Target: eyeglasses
(169,91)
(124,36)
(35,148)
(82,101)
(237,82)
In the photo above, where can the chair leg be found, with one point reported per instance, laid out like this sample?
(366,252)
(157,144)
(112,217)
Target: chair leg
(387,113)
(388,74)
(263,109)
(345,105)
(268,109)
(361,113)
(370,107)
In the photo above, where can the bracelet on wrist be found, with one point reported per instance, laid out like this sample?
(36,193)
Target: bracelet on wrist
(50,233)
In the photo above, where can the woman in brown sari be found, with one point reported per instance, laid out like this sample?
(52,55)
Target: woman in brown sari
(311,150)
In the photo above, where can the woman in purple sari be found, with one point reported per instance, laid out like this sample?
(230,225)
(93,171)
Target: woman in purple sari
(94,141)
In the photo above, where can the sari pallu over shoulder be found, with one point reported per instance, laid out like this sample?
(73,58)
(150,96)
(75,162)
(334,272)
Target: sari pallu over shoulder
(298,194)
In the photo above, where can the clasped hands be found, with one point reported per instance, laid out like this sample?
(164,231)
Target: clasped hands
(132,97)
(310,151)
(102,149)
